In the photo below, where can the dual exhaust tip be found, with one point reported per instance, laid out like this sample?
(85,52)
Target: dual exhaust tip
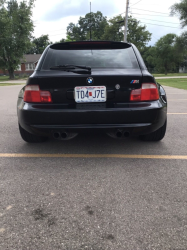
(60,136)
(121,133)
(64,135)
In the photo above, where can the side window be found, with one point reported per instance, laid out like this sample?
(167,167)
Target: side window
(29,66)
(19,67)
(26,66)
(32,66)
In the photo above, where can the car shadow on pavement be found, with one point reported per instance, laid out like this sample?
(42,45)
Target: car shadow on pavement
(94,144)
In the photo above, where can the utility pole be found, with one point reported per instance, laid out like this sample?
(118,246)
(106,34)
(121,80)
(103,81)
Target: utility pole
(90,21)
(126,21)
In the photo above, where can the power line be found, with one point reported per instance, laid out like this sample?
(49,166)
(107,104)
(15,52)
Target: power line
(153,11)
(116,15)
(158,21)
(151,23)
(161,25)
(150,15)
(135,3)
(155,37)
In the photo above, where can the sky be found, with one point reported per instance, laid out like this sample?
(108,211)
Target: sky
(53,18)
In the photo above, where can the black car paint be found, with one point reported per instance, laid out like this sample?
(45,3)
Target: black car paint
(66,115)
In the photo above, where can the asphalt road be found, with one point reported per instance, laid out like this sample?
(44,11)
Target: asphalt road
(92,203)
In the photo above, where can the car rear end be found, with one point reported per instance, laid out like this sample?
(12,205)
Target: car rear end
(117,95)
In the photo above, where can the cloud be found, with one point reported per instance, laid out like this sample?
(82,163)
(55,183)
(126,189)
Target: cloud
(53,19)
(68,8)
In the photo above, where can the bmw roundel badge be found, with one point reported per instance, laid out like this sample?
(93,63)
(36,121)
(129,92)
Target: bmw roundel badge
(90,80)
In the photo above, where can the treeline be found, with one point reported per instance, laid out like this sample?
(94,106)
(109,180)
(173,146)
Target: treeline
(16,29)
(167,55)
(97,27)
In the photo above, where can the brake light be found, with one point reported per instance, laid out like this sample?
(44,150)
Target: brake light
(34,94)
(148,92)
(88,42)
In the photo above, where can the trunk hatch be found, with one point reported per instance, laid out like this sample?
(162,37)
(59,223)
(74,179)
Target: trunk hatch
(61,84)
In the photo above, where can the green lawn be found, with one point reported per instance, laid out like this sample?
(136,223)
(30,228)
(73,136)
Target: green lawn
(6,78)
(10,84)
(170,74)
(175,83)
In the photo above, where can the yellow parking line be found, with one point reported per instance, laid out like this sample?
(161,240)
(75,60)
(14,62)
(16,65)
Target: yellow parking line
(177,113)
(122,156)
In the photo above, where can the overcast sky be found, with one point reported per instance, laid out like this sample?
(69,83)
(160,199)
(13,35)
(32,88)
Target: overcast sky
(53,18)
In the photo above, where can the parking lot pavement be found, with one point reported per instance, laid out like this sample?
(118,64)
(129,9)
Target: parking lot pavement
(15,81)
(93,203)
(170,77)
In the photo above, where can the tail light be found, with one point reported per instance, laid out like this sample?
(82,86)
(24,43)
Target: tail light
(148,92)
(34,94)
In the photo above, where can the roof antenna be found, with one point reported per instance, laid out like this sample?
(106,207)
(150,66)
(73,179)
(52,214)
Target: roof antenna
(90,21)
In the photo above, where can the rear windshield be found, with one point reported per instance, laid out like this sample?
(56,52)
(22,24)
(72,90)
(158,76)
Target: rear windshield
(97,58)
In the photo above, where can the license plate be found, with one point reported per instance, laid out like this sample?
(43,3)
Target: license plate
(90,94)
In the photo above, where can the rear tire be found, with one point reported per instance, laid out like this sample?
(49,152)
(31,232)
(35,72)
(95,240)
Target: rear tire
(158,135)
(26,136)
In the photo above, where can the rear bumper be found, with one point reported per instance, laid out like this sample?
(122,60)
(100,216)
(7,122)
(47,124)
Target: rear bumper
(137,118)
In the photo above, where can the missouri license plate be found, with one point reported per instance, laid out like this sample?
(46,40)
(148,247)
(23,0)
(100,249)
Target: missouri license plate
(90,94)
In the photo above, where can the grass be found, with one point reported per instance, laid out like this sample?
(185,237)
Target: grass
(10,84)
(170,74)
(175,83)
(6,78)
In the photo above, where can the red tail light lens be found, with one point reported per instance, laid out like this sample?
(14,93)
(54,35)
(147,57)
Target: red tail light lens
(34,94)
(148,92)
(90,43)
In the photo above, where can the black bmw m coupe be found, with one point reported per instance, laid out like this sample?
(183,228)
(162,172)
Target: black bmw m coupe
(91,85)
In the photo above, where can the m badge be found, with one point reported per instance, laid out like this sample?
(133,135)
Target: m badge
(135,81)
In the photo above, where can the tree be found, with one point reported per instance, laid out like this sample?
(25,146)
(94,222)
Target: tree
(75,33)
(113,30)
(62,40)
(148,54)
(181,48)
(39,44)
(181,10)
(81,31)
(136,33)
(181,43)
(165,55)
(16,27)
(2,2)
(102,29)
